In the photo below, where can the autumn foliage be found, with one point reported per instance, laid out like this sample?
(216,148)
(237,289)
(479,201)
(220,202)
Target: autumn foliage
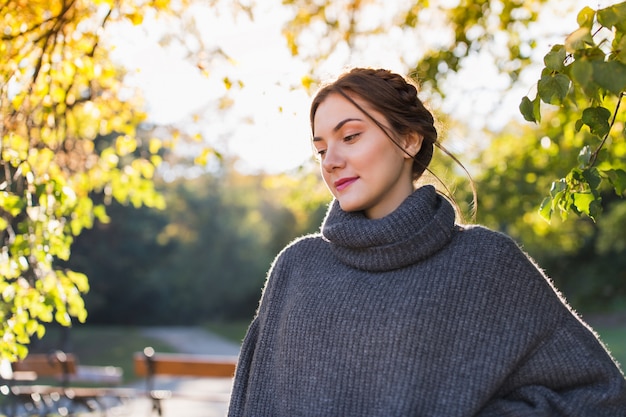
(67,131)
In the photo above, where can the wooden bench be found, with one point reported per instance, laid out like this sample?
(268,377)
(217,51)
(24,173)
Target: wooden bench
(47,381)
(150,365)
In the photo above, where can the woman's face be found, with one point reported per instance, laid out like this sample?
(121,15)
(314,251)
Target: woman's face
(360,165)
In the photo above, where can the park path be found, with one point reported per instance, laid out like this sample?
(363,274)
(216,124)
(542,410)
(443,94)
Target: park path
(193,340)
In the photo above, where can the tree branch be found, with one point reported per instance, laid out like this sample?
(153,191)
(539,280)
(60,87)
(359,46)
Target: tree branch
(594,155)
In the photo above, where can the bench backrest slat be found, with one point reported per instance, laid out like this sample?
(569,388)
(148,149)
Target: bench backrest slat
(175,364)
(47,365)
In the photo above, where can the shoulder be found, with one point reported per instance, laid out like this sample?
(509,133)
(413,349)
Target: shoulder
(302,250)
(303,245)
(483,236)
(480,240)
(495,256)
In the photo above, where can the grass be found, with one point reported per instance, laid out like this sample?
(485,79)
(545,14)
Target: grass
(233,331)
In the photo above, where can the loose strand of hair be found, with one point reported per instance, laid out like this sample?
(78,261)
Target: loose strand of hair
(474,204)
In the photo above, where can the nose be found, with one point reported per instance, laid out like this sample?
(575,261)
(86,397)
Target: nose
(333,158)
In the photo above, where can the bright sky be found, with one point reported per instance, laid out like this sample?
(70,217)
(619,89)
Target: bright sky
(268,126)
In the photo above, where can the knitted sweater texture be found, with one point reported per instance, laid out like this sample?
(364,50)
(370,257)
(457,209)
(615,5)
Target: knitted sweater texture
(412,315)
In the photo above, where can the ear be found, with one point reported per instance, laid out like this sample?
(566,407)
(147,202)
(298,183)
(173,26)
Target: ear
(413,144)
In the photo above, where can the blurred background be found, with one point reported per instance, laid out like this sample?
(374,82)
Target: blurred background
(156,154)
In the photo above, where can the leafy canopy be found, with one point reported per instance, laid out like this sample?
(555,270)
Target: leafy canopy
(67,133)
(430,38)
(584,80)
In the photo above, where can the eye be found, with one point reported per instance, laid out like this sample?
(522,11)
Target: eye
(319,153)
(351,137)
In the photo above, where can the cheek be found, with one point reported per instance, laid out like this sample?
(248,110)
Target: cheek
(381,152)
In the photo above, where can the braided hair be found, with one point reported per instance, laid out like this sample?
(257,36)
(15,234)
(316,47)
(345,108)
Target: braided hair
(393,96)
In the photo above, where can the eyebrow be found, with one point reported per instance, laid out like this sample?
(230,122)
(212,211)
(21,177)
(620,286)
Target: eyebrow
(339,126)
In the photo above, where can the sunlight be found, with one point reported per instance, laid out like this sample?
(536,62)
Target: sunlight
(267,123)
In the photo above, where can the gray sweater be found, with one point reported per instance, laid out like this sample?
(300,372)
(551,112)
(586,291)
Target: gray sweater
(412,315)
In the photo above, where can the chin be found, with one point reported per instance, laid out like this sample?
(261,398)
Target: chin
(349,206)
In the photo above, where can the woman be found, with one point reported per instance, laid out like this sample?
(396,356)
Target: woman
(396,310)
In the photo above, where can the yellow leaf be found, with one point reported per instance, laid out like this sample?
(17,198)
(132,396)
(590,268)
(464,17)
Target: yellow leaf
(202,159)
(136,18)
(79,280)
(577,39)
(125,145)
(156,160)
(226,102)
(63,318)
(154,145)
(17,101)
(41,331)
(161,4)
(144,167)
(307,81)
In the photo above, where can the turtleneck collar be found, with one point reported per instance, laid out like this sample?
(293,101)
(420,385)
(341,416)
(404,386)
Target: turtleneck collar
(418,228)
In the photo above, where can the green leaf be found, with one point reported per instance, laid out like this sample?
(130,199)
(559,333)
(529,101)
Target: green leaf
(553,88)
(581,71)
(557,187)
(592,178)
(527,109)
(563,201)
(579,125)
(545,209)
(597,118)
(11,203)
(575,177)
(610,75)
(586,203)
(555,59)
(584,156)
(613,16)
(619,48)
(617,178)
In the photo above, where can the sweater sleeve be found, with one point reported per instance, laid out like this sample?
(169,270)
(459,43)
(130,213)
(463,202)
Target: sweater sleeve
(248,363)
(568,374)
(242,374)
(562,367)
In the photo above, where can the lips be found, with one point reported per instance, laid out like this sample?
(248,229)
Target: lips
(343,183)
